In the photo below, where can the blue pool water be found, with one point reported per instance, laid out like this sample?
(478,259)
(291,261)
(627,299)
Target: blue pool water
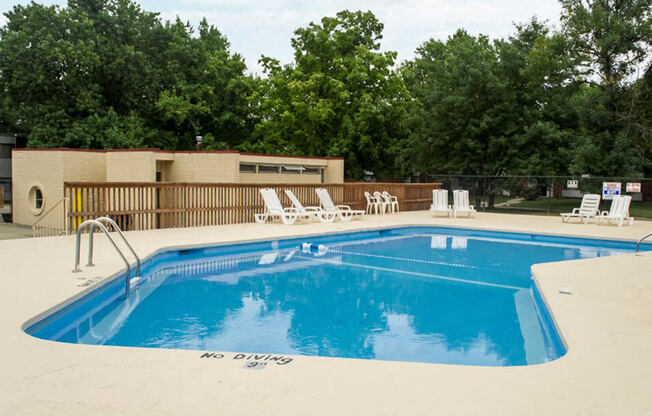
(426,294)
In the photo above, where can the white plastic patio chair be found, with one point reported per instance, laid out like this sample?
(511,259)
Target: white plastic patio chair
(274,209)
(315,213)
(461,203)
(372,204)
(343,212)
(391,200)
(440,202)
(618,212)
(589,208)
(381,201)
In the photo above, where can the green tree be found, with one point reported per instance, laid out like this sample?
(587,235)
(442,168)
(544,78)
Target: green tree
(611,41)
(106,74)
(209,94)
(462,116)
(339,97)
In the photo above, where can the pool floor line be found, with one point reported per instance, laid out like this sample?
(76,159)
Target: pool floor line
(434,276)
(439,263)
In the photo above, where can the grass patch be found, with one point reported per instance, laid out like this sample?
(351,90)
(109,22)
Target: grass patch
(557,205)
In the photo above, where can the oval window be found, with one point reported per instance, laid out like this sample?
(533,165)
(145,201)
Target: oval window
(36,200)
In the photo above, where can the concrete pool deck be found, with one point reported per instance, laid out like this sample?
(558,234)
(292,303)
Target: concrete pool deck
(606,323)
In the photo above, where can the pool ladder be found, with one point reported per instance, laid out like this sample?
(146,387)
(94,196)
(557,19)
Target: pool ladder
(640,240)
(100,223)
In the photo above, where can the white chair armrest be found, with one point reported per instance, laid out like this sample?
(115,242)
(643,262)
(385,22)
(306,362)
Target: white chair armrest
(343,207)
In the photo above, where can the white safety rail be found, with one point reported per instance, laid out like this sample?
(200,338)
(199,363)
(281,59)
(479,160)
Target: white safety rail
(100,223)
(640,240)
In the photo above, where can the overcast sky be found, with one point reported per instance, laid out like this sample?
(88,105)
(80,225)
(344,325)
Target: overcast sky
(265,26)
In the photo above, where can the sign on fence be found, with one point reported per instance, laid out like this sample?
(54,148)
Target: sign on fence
(633,187)
(572,184)
(609,189)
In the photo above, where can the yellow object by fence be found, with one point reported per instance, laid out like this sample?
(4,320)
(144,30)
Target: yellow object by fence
(77,207)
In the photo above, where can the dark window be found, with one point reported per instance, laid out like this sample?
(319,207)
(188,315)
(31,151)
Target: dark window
(311,171)
(38,199)
(247,168)
(5,151)
(267,169)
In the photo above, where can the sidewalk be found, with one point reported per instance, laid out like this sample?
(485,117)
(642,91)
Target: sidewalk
(9,231)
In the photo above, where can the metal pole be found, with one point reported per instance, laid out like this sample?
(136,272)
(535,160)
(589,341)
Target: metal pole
(91,233)
(549,191)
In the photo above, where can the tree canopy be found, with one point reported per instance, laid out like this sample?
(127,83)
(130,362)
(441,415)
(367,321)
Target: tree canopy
(340,97)
(106,74)
(543,101)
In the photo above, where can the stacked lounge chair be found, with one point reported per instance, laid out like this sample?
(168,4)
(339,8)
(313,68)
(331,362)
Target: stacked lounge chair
(440,203)
(618,212)
(343,212)
(274,209)
(589,208)
(461,203)
(315,213)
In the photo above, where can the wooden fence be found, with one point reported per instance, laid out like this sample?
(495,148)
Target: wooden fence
(144,206)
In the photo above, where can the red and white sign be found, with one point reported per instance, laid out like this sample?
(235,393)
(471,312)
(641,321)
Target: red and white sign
(633,187)
(609,189)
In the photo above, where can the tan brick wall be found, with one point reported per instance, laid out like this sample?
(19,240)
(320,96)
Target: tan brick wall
(84,166)
(335,171)
(204,167)
(136,166)
(280,178)
(49,169)
(33,168)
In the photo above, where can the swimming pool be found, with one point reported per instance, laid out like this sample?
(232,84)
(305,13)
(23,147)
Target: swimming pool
(424,294)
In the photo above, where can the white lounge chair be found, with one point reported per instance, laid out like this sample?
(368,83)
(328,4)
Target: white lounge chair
(589,208)
(381,202)
(343,212)
(372,204)
(391,200)
(440,202)
(459,243)
(315,213)
(461,203)
(438,242)
(274,209)
(618,212)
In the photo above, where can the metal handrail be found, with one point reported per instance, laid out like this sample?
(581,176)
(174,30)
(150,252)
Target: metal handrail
(45,215)
(124,239)
(103,228)
(638,243)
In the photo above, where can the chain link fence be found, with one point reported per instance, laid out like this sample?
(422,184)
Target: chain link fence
(547,195)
